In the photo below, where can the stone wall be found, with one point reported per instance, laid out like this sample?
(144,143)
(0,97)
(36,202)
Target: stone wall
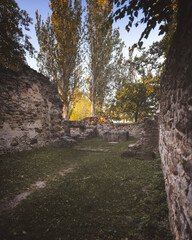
(147,130)
(150,139)
(134,129)
(82,127)
(30,111)
(176,126)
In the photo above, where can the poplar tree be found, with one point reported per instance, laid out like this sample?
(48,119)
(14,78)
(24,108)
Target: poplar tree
(59,40)
(100,48)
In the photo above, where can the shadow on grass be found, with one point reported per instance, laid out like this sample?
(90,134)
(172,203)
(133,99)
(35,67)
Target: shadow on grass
(104,197)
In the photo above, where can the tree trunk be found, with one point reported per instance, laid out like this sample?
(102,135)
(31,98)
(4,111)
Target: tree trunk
(175,143)
(136,116)
(93,104)
(66,111)
(136,113)
(93,94)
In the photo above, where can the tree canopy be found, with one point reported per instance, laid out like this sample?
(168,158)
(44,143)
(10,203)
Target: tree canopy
(137,90)
(104,52)
(14,44)
(99,45)
(81,107)
(108,74)
(154,13)
(59,40)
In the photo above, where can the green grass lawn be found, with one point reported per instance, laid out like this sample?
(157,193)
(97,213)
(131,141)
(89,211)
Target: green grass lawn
(104,197)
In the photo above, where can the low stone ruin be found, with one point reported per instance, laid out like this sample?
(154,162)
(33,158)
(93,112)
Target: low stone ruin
(99,126)
(147,130)
(116,136)
(147,146)
(149,142)
(78,130)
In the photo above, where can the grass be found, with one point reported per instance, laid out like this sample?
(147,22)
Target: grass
(104,197)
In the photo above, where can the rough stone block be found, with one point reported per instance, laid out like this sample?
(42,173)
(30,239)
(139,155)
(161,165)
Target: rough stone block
(116,136)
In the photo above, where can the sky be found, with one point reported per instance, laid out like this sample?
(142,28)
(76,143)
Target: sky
(42,6)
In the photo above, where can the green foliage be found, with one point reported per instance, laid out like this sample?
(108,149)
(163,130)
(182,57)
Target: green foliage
(59,40)
(14,44)
(137,88)
(135,100)
(109,75)
(104,197)
(151,60)
(154,12)
(104,51)
(80,108)
(167,39)
(46,59)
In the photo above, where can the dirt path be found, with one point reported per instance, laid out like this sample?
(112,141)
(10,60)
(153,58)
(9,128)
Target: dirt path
(6,203)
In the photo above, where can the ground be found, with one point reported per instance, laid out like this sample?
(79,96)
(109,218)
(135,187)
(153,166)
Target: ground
(86,194)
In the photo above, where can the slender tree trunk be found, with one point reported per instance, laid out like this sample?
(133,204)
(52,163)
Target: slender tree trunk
(93,95)
(137,112)
(66,111)
(123,118)
(65,99)
(93,102)
(136,116)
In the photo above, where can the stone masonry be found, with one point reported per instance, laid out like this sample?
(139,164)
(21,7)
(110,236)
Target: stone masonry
(147,130)
(30,111)
(176,126)
(99,128)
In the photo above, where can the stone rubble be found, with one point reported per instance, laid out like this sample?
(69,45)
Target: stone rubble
(116,136)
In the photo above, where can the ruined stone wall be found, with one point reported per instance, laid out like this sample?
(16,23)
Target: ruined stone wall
(81,127)
(176,126)
(147,131)
(149,142)
(134,129)
(30,111)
